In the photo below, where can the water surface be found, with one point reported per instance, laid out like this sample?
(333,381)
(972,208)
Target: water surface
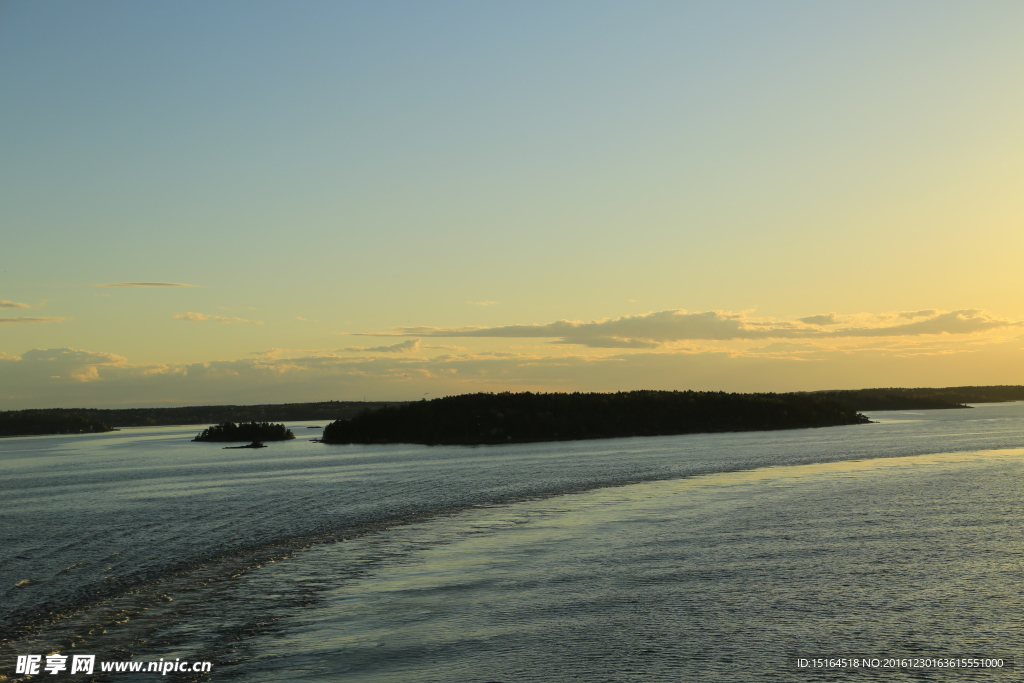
(696,557)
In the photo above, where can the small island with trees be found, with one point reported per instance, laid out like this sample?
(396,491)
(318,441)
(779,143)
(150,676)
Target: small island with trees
(474,419)
(246,431)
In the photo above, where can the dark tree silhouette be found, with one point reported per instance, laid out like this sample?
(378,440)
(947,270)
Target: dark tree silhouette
(514,418)
(83,420)
(86,420)
(246,431)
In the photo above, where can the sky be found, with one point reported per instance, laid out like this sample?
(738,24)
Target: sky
(269,202)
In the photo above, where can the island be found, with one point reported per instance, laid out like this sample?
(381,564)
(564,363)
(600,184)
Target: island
(40,421)
(256,432)
(915,399)
(476,419)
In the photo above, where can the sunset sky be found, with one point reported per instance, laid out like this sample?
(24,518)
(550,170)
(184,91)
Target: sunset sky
(243,202)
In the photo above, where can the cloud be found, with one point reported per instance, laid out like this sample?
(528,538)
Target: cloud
(609,343)
(15,321)
(650,330)
(660,326)
(68,355)
(12,304)
(829,319)
(917,314)
(787,348)
(143,284)
(201,317)
(70,377)
(967,321)
(408,346)
(74,377)
(268,353)
(63,364)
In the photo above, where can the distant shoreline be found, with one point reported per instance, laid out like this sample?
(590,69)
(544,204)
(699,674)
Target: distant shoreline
(50,421)
(53,421)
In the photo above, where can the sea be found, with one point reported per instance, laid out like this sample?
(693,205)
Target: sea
(888,551)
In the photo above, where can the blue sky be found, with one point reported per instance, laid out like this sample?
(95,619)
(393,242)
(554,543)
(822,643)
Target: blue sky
(319,171)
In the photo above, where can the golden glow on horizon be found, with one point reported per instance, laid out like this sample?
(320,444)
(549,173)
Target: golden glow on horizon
(397,221)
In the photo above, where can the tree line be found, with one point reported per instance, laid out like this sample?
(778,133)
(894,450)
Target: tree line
(85,420)
(245,431)
(924,398)
(89,420)
(30,423)
(524,417)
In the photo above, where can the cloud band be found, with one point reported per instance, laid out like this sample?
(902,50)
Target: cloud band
(654,329)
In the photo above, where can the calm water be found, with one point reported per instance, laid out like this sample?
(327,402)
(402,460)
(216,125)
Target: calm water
(703,557)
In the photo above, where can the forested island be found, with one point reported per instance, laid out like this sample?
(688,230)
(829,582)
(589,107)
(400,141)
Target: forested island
(35,423)
(87,420)
(525,417)
(246,431)
(922,398)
